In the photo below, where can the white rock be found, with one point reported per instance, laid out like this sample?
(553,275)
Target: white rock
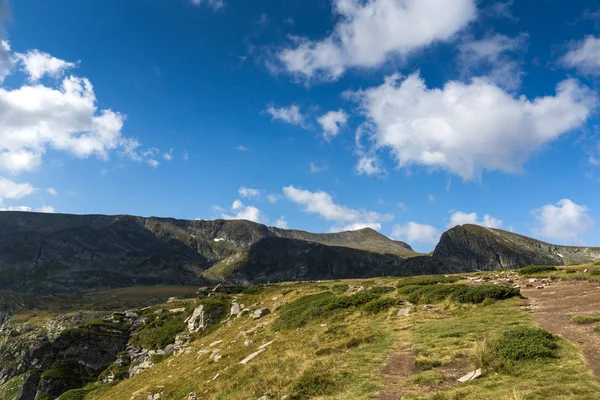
(471,375)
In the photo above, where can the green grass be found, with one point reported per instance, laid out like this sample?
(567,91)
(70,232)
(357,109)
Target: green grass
(537,269)
(317,381)
(585,319)
(160,332)
(427,280)
(432,294)
(380,305)
(10,389)
(526,344)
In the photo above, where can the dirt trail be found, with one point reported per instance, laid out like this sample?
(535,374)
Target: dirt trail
(399,368)
(554,306)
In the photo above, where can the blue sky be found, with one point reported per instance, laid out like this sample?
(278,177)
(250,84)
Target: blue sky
(408,116)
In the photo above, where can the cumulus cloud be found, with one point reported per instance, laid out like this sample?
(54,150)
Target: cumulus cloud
(290,114)
(584,56)
(249,193)
(465,128)
(52,191)
(369,165)
(242,211)
(331,123)
(37,64)
(45,209)
(370,32)
(346,218)
(564,221)
(168,155)
(62,116)
(273,198)
(214,4)
(281,223)
(42,209)
(13,190)
(461,218)
(494,57)
(413,232)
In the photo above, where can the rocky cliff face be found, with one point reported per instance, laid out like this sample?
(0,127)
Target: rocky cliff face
(477,248)
(52,253)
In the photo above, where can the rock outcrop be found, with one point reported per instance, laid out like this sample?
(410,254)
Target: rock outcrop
(472,247)
(57,253)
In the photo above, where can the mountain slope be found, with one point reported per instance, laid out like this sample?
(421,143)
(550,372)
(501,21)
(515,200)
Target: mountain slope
(477,248)
(49,253)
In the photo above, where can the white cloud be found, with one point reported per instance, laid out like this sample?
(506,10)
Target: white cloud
(13,190)
(369,165)
(242,211)
(370,32)
(281,223)
(249,193)
(331,123)
(45,209)
(431,198)
(462,218)
(52,191)
(413,232)
(169,155)
(322,203)
(468,128)
(242,148)
(493,56)
(273,198)
(214,4)
(402,206)
(153,163)
(290,114)
(316,168)
(501,10)
(564,221)
(6,59)
(37,64)
(584,56)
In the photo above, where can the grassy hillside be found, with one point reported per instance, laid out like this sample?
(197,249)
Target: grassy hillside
(358,339)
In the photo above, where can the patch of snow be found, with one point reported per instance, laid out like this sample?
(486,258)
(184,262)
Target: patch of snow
(219,239)
(560,255)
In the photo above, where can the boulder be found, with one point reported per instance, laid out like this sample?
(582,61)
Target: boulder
(261,312)
(235,310)
(203,317)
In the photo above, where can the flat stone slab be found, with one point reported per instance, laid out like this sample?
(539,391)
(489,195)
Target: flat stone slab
(471,375)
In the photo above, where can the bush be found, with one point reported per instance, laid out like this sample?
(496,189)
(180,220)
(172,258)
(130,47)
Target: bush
(255,289)
(381,289)
(524,344)
(461,293)
(408,289)
(427,280)
(571,271)
(596,326)
(584,319)
(160,332)
(307,308)
(595,272)
(315,382)
(380,305)
(537,269)
(339,288)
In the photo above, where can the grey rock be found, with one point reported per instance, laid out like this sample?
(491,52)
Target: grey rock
(235,310)
(471,376)
(202,319)
(261,313)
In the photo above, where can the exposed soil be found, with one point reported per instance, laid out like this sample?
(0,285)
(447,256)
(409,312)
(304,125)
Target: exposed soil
(400,367)
(554,306)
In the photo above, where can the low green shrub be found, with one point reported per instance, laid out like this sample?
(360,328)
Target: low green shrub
(315,382)
(524,344)
(339,288)
(571,271)
(380,305)
(427,280)
(408,289)
(595,272)
(307,308)
(460,293)
(255,289)
(381,289)
(585,319)
(160,332)
(537,269)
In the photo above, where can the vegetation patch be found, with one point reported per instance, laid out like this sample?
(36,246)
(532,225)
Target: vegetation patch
(426,280)
(381,289)
(426,363)
(315,382)
(428,378)
(537,269)
(339,288)
(307,308)
(160,332)
(596,326)
(525,344)
(254,289)
(461,293)
(380,305)
(585,319)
